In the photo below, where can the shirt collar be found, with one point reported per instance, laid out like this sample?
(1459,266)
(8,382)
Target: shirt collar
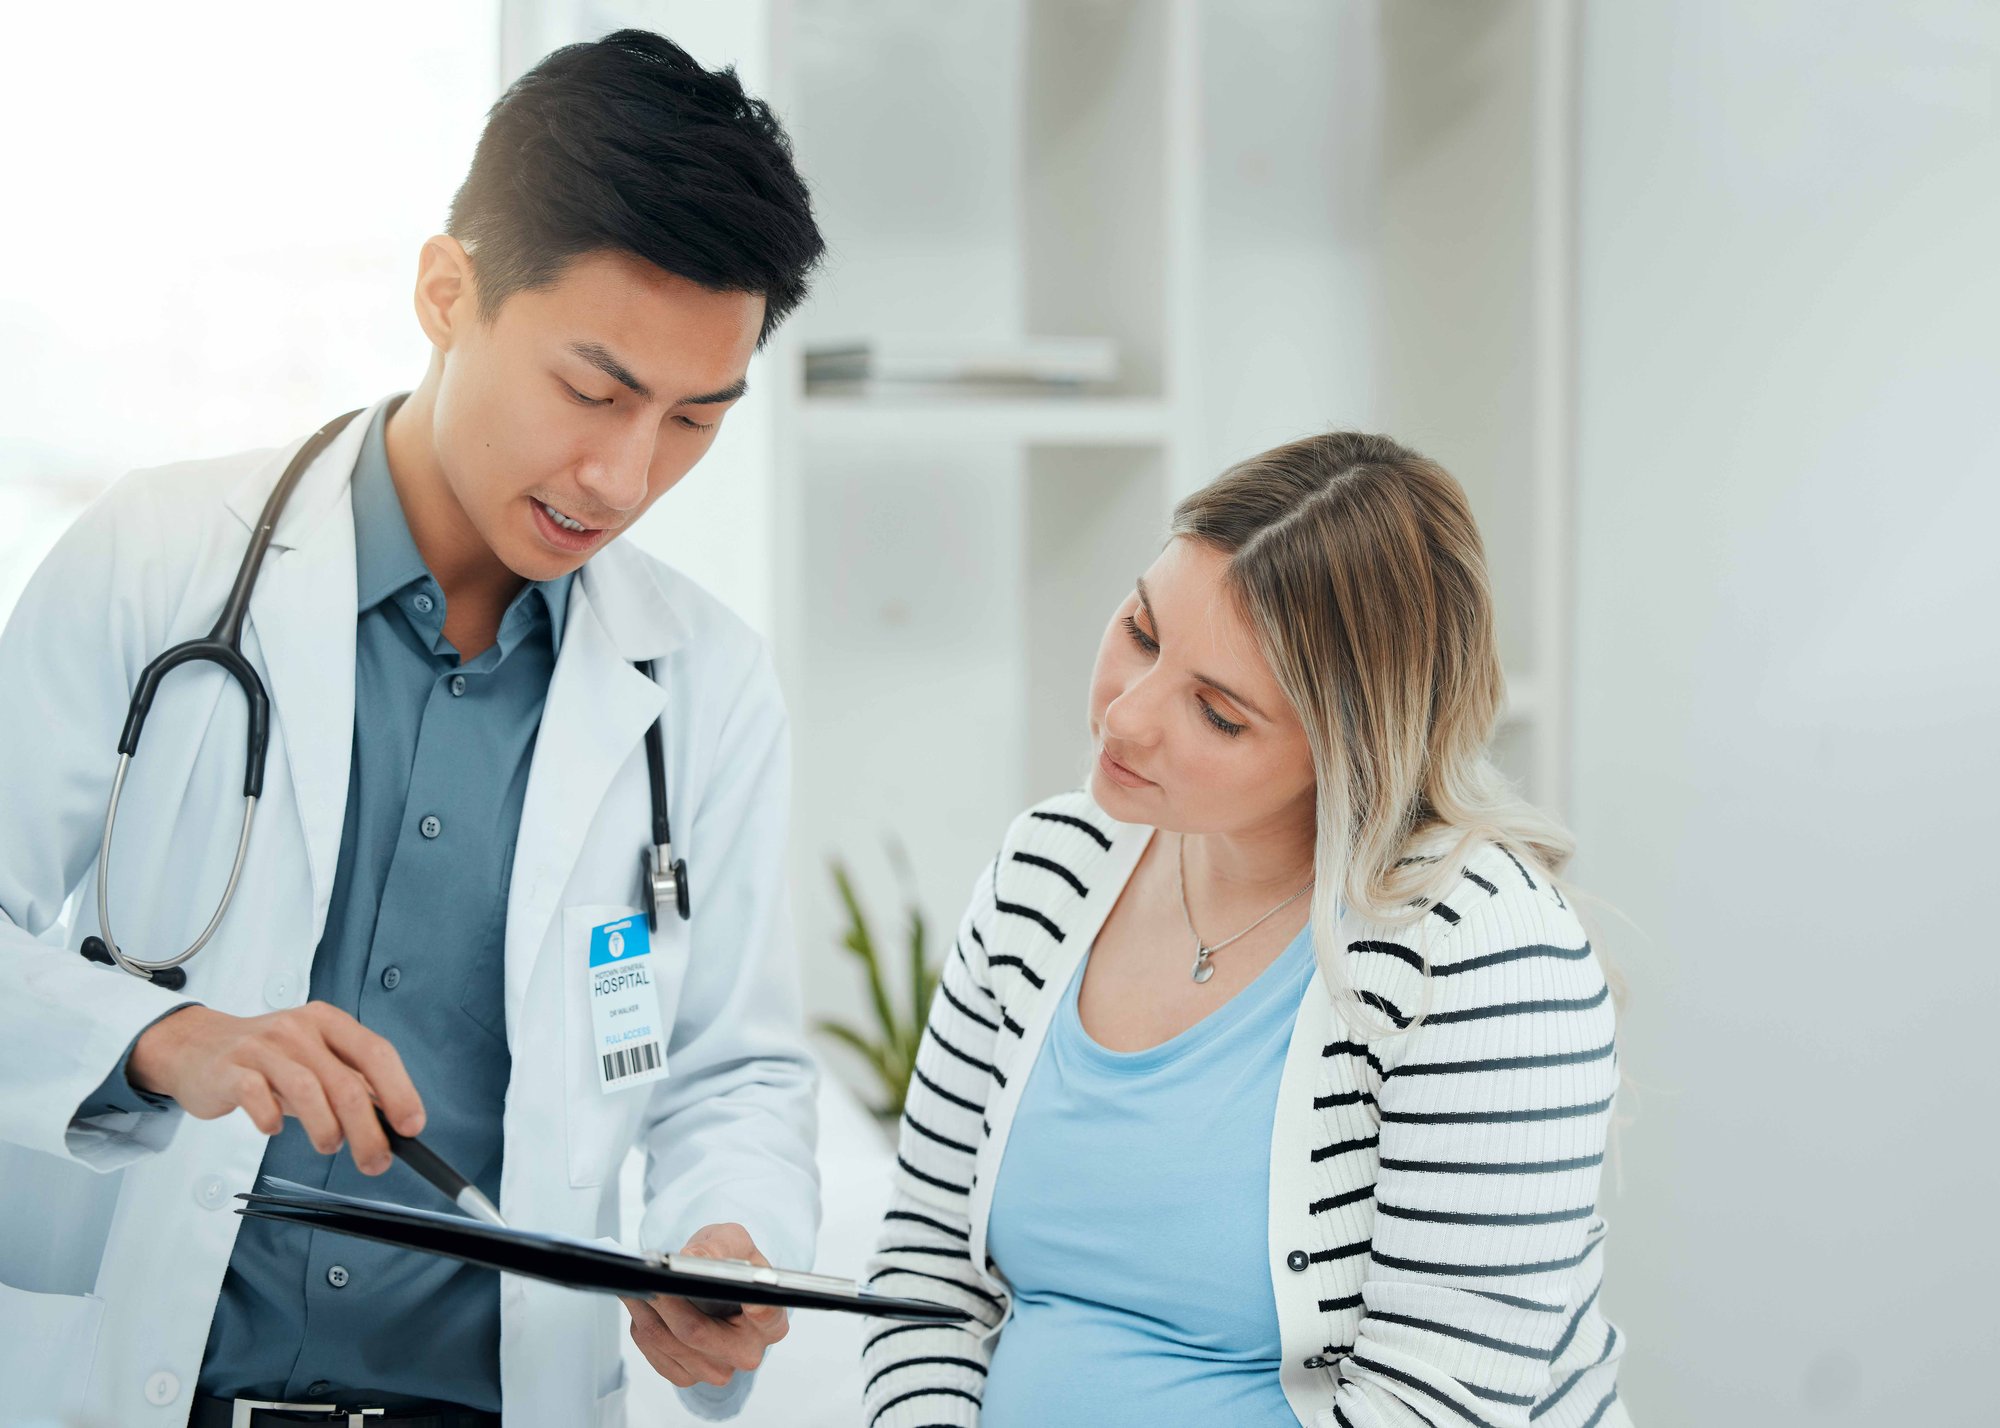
(386,558)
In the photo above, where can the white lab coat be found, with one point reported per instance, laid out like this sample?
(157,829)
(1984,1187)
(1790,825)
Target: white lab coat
(115,1232)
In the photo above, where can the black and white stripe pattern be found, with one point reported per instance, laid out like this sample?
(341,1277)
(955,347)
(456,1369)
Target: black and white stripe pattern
(1441,1183)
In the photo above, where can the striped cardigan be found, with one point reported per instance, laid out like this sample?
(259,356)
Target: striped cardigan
(1435,1250)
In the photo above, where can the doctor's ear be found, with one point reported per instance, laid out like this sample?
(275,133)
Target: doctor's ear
(446,297)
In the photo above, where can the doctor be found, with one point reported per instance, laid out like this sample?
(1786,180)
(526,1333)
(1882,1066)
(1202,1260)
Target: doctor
(455,807)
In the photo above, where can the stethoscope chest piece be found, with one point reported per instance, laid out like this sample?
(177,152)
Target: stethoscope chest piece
(666,883)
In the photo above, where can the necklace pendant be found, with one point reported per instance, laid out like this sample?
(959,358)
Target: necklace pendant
(1203,969)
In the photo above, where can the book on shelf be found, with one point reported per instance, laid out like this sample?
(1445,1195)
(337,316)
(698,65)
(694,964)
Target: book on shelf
(929,364)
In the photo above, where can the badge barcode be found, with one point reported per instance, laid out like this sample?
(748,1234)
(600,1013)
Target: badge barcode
(631,1061)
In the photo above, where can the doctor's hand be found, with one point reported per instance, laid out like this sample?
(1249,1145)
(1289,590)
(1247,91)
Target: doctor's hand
(685,1345)
(314,1063)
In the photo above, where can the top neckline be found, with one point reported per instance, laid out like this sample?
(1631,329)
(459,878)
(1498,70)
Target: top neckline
(1285,978)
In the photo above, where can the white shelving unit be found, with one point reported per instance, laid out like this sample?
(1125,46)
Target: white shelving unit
(989,171)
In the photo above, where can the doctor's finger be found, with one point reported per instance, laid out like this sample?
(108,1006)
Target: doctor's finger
(378,1061)
(300,1094)
(729,1341)
(254,1095)
(346,1093)
(676,1361)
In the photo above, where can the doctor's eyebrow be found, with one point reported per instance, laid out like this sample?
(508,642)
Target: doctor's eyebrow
(1217,685)
(600,357)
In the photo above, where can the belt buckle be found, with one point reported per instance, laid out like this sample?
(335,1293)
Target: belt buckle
(240,1410)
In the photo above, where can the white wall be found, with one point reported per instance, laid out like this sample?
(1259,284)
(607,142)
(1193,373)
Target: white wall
(1787,694)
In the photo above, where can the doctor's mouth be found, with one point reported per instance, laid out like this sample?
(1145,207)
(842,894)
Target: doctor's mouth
(563,531)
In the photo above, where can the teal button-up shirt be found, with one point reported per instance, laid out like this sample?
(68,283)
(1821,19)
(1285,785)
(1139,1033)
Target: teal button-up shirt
(413,948)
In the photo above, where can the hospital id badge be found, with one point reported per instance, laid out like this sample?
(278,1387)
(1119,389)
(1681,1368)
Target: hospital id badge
(625,1006)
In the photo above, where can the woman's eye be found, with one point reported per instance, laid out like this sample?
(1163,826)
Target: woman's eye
(1140,637)
(1232,730)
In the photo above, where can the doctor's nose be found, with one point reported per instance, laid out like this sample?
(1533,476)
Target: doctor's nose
(616,476)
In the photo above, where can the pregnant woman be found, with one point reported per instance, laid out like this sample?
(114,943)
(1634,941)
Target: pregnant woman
(1270,1075)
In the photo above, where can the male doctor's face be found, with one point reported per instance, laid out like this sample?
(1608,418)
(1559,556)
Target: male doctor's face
(558,422)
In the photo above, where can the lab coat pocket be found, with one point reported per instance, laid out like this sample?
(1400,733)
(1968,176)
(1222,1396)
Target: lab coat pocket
(46,1344)
(601,1121)
(609,1411)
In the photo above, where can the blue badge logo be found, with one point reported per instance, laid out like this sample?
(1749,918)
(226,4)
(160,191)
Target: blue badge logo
(619,941)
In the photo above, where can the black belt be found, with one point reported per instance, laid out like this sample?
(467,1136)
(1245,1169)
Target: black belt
(263,1413)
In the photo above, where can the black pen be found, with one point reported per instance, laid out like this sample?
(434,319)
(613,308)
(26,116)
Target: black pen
(434,1168)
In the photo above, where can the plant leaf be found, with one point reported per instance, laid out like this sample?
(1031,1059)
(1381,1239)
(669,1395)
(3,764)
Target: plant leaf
(920,1001)
(862,943)
(879,1059)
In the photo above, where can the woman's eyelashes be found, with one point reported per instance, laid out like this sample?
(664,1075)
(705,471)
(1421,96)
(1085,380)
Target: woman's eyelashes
(1151,646)
(1232,730)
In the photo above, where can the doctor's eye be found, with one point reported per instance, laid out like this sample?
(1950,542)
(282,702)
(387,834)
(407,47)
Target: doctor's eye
(587,401)
(692,425)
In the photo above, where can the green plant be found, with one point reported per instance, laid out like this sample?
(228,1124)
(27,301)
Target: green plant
(891,1052)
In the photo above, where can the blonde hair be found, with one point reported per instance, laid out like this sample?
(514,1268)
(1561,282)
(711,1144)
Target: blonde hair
(1359,566)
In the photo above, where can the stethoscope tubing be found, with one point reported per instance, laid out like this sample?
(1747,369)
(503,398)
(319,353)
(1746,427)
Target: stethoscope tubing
(223,645)
(664,877)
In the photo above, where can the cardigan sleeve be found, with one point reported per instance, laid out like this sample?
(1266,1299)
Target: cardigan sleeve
(1494,1118)
(927,1374)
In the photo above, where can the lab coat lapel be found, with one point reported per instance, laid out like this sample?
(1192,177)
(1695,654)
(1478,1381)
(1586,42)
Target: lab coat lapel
(303,619)
(596,715)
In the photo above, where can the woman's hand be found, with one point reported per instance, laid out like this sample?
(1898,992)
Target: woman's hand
(686,1346)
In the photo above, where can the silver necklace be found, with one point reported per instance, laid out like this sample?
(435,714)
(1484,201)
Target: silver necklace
(1202,969)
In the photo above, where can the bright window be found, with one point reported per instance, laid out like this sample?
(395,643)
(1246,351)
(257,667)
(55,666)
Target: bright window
(213,222)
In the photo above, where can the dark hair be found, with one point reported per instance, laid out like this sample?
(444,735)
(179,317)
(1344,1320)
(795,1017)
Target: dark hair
(626,143)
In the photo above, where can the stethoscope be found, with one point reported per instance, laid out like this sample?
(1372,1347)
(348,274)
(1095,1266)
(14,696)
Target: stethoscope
(664,878)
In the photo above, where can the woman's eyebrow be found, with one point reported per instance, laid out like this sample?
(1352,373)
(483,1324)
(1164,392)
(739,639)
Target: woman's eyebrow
(1217,685)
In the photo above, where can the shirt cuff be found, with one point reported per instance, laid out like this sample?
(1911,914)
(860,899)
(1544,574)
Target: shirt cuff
(705,1400)
(116,1092)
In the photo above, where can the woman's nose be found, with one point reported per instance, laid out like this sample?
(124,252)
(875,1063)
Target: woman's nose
(1127,717)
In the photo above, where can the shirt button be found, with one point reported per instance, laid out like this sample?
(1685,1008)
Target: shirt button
(423,604)
(457,685)
(1315,1362)
(336,1275)
(317,1387)
(431,826)
(1296,1261)
(281,989)
(392,977)
(162,1388)
(208,1191)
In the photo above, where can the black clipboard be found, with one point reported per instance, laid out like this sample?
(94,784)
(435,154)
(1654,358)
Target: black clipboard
(715,1286)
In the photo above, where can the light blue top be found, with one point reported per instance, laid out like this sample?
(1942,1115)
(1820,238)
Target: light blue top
(1130,1218)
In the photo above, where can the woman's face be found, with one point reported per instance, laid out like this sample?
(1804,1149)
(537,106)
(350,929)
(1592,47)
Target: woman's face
(1192,732)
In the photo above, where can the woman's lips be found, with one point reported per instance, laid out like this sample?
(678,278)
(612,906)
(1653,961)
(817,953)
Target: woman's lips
(1118,773)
